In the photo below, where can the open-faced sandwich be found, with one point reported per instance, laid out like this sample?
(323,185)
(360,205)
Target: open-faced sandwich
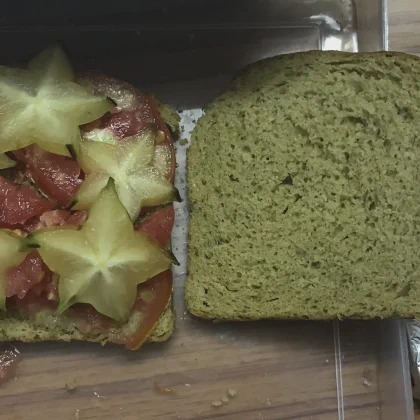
(86,192)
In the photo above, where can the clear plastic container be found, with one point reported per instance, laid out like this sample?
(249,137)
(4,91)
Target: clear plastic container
(186,52)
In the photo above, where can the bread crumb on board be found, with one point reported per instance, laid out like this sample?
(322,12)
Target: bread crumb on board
(162,390)
(70,386)
(231,392)
(224,399)
(368,377)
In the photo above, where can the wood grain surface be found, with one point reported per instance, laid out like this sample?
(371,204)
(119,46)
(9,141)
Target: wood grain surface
(404,35)
(404,25)
(202,361)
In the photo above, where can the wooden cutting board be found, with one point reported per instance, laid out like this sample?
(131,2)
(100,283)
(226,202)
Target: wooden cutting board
(404,27)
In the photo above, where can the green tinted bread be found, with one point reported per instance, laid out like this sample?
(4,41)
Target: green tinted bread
(171,118)
(304,186)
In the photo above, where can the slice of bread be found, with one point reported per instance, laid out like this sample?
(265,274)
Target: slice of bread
(304,186)
(14,327)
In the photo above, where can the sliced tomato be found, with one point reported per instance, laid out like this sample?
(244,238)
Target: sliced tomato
(132,113)
(19,204)
(128,123)
(152,298)
(10,358)
(59,177)
(22,278)
(159,224)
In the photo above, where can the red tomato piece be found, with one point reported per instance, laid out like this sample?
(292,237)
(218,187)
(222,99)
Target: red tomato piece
(59,177)
(18,204)
(159,224)
(152,298)
(132,112)
(89,320)
(10,359)
(22,278)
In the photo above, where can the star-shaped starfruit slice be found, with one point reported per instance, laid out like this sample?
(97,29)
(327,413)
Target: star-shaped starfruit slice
(43,105)
(131,163)
(103,262)
(12,252)
(53,63)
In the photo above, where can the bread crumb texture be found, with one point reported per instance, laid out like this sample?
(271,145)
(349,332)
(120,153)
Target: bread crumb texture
(170,116)
(305,191)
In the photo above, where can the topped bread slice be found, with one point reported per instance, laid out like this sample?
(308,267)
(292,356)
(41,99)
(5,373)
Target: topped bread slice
(304,186)
(38,324)
(86,214)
